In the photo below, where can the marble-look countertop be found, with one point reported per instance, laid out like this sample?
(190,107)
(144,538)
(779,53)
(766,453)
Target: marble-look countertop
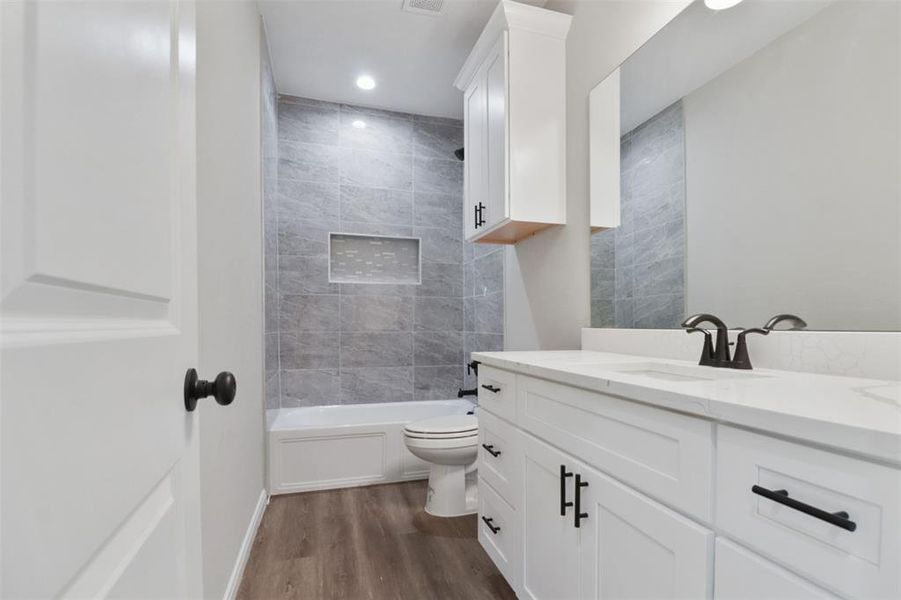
(859,416)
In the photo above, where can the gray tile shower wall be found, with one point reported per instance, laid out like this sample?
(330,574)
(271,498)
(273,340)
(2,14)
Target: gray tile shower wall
(638,269)
(356,170)
(483,301)
(269,135)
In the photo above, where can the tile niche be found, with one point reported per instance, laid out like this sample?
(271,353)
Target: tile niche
(355,258)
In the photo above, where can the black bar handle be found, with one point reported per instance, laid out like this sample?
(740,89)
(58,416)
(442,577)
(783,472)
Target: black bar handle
(490,449)
(479,217)
(579,514)
(475,215)
(492,389)
(563,503)
(490,523)
(839,519)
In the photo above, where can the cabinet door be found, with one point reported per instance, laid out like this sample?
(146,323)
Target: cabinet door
(741,574)
(550,541)
(474,141)
(496,205)
(633,547)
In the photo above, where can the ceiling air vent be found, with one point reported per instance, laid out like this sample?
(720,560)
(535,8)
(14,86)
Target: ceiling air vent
(424,7)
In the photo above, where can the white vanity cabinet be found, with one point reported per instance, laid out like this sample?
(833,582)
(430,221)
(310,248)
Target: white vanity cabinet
(622,544)
(633,547)
(550,542)
(666,502)
(514,114)
(743,575)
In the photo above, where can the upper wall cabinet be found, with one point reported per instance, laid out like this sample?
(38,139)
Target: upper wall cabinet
(514,116)
(603,153)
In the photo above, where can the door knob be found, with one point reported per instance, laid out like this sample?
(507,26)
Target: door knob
(223,389)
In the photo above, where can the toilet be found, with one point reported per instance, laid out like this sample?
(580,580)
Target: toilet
(450,444)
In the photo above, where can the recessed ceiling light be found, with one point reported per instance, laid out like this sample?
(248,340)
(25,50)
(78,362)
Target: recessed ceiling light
(365,82)
(359,124)
(720,4)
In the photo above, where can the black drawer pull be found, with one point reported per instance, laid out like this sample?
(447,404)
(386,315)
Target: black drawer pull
(489,522)
(563,503)
(839,519)
(492,389)
(490,449)
(579,514)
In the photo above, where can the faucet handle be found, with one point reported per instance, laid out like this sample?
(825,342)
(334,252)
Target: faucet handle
(707,354)
(742,359)
(796,322)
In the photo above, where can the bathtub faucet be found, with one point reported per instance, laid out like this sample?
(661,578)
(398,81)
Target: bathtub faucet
(473,392)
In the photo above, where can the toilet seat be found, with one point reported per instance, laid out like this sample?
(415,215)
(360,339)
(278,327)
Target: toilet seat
(447,427)
(446,443)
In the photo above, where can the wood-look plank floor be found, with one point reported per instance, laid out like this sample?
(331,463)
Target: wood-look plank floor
(372,542)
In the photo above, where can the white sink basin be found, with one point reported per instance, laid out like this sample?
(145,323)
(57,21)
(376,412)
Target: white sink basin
(677,373)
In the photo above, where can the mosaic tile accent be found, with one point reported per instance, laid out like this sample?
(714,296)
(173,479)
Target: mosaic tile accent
(373,259)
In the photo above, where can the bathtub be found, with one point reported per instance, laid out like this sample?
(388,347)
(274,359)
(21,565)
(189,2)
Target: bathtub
(327,447)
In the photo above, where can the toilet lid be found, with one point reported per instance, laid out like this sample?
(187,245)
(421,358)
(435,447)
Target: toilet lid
(451,424)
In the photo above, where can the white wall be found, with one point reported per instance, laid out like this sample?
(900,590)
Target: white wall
(793,158)
(230,280)
(547,278)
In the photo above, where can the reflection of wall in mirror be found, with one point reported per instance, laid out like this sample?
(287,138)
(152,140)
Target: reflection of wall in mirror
(793,177)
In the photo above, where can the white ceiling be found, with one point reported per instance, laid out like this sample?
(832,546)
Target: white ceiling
(320,47)
(699,44)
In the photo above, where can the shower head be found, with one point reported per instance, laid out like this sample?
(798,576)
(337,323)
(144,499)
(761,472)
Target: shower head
(459,153)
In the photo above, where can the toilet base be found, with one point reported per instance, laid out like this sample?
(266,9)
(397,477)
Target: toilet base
(452,491)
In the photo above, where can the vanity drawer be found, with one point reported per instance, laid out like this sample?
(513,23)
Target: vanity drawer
(664,454)
(500,535)
(497,391)
(742,575)
(500,456)
(864,562)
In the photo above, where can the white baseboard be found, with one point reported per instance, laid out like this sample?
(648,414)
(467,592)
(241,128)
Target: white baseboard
(246,545)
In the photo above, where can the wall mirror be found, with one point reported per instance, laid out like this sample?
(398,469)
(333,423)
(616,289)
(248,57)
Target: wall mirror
(760,170)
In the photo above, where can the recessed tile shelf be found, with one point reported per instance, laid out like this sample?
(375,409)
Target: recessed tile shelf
(355,258)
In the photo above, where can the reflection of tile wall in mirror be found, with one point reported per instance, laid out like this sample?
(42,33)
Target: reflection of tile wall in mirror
(373,259)
(637,269)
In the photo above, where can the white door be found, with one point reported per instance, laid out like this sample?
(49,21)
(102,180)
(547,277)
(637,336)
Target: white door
(633,547)
(98,306)
(550,540)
